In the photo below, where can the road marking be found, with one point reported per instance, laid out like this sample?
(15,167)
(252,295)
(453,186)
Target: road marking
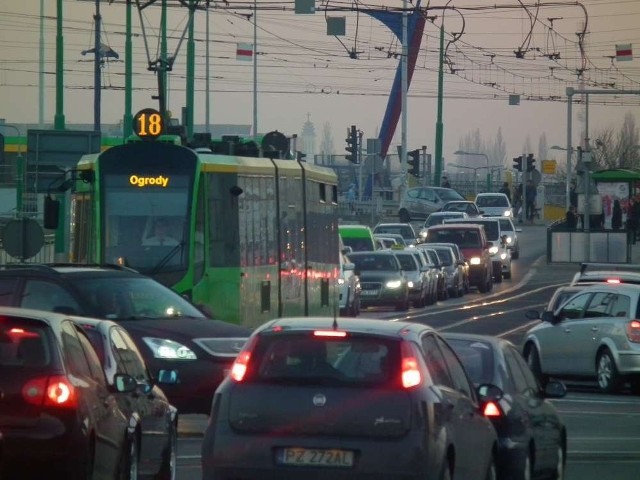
(595,400)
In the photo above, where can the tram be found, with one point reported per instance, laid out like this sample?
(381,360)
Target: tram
(253,238)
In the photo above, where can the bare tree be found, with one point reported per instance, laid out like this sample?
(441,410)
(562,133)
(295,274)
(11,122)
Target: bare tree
(617,149)
(542,147)
(326,146)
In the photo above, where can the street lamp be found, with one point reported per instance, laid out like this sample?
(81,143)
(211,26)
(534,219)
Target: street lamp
(479,154)
(19,172)
(568,181)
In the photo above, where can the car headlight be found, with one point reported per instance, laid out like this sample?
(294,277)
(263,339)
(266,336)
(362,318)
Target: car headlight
(509,240)
(410,284)
(475,261)
(507,213)
(503,256)
(341,281)
(393,284)
(168,349)
(423,234)
(493,250)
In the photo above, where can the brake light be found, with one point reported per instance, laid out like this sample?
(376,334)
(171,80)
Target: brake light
(240,365)
(329,333)
(54,391)
(492,410)
(633,331)
(613,280)
(411,376)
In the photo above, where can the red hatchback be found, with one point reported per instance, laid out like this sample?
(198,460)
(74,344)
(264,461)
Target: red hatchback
(472,241)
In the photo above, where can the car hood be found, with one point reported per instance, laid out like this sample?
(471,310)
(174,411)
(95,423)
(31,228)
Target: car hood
(376,276)
(183,328)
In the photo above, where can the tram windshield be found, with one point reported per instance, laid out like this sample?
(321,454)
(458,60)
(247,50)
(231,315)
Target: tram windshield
(146,221)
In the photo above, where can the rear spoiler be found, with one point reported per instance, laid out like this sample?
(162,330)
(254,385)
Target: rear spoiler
(608,266)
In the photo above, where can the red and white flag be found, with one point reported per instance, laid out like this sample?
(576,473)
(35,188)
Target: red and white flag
(624,53)
(244,51)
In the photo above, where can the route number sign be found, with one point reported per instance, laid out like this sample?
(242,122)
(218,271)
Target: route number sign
(148,124)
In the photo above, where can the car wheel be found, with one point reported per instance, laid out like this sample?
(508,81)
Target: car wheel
(558,473)
(507,275)
(403,306)
(607,372)
(404,216)
(170,458)
(532,357)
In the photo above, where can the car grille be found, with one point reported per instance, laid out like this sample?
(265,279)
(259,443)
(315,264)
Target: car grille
(227,347)
(371,286)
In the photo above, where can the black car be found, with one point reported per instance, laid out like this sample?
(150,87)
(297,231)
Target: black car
(381,278)
(356,399)
(152,420)
(58,416)
(170,332)
(532,438)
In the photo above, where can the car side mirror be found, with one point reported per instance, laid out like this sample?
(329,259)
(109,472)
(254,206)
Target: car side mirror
(487,392)
(555,389)
(518,230)
(532,315)
(124,383)
(548,316)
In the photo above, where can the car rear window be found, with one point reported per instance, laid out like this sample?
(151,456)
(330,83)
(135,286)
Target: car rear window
(464,238)
(407,261)
(448,194)
(477,358)
(24,344)
(374,262)
(309,359)
(445,254)
(497,201)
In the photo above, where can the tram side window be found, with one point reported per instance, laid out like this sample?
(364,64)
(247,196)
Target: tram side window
(223,224)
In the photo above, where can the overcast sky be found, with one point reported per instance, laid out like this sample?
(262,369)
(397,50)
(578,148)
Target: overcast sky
(303,72)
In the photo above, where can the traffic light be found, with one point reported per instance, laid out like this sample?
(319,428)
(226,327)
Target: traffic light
(517,163)
(413,162)
(531,163)
(352,144)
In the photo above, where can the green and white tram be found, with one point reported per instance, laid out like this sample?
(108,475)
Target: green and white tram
(253,238)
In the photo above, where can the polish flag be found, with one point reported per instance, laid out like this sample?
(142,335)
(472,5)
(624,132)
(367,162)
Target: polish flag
(244,51)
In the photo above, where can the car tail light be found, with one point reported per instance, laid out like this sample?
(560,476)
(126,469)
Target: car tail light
(240,365)
(633,331)
(329,333)
(54,391)
(492,410)
(411,376)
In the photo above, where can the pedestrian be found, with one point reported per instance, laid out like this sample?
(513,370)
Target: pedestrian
(445,182)
(530,200)
(506,190)
(573,194)
(517,200)
(572,218)
(632,221)
(351,197)
(616,215)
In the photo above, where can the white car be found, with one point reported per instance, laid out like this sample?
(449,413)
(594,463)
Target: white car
(594,334)
(494,205)
(508,228)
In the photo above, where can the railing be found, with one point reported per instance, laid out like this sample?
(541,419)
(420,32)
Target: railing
(566,245)
(45,255)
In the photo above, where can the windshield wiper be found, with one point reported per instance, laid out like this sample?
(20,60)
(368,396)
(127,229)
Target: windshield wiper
(166,258)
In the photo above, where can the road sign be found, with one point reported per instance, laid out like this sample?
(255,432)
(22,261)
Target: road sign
(549,167)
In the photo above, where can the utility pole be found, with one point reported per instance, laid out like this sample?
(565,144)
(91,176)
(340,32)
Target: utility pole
(97,83)
(59,117)
(127,120)
(191,49)
(439,125)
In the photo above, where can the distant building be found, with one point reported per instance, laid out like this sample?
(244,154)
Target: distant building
(307,143)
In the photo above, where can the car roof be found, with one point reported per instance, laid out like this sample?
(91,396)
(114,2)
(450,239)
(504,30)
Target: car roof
(494,341)
(602,276)
(71,269)
(359,325)
(50,318)
(457,226)
(491,194)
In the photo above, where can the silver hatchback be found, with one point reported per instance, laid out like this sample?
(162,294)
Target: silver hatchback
(418,202)
(594,334)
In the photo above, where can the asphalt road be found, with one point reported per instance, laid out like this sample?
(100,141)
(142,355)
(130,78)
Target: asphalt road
(603,430)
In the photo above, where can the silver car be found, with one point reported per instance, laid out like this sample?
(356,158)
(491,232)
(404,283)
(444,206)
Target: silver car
(419,202)
(594,334)
(417,275)
(454,269)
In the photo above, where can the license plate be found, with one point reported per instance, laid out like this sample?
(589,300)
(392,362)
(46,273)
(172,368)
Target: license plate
(315,457)
(369,293)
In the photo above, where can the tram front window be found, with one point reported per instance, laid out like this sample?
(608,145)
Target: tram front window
(146,226)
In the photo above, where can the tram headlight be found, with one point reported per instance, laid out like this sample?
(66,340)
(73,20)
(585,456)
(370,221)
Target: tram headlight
(168,349)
